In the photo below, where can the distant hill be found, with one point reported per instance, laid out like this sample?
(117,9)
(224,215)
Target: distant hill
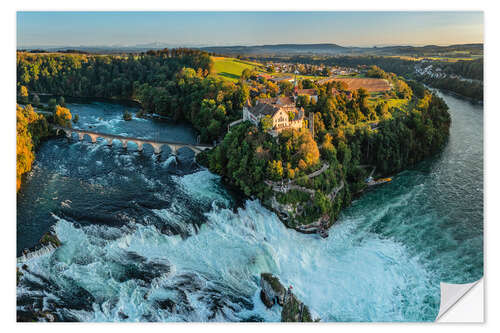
(335,49)
(288,49)
(279,49)
(433,49)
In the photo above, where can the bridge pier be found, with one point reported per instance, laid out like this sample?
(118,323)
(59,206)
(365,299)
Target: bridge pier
(93,138)
(139,145)
(173,149)
(80,136)
(109,141)
(124,143)
(157,147)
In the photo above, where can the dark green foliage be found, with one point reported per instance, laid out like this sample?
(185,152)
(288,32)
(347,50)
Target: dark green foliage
(266,123)
(52,104)
(376,72)
(473,90)
(62,101)
(273,281)
(295,311)
(50,239)
(237,159)
(247,156)
(173,83)
(127,116)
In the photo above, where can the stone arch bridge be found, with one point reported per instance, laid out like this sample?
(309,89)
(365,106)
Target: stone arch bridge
(157,145)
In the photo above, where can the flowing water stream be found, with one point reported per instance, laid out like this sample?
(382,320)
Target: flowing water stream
(154,238)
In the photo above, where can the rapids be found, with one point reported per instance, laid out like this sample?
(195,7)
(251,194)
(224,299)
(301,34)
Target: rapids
(149,238)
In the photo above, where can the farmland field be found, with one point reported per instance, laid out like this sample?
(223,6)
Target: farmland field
(370,84)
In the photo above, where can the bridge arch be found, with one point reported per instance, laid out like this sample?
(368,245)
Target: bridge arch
(91,137)
(158,146)
(139,144)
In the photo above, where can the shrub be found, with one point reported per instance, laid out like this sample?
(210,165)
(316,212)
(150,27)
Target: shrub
(127,115)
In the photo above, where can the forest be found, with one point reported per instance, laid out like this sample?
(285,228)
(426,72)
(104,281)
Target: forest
(31,128)
(175,83)
(248,156)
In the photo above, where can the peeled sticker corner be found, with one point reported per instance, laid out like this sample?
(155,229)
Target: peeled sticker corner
(451,294)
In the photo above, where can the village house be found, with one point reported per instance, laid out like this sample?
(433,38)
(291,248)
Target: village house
(282,110)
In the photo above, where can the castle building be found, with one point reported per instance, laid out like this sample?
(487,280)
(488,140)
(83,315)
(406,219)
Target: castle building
(282,110)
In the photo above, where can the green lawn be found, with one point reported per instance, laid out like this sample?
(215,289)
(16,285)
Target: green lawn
(231,68)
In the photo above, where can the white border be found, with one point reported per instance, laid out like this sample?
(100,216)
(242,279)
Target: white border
(7,123)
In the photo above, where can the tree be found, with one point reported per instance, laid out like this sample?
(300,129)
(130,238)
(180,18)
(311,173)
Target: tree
(266,123)
(127,116)
(30,128)
(247,73)
(23,93)
(24,146)
(62,101)
(286,87)
(308,84)
(275,170)
(303,100)
(52,104)
(62,116)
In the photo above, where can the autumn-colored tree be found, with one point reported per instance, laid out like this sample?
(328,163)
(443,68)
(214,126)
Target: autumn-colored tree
(299,145)
(30,127)
(62,116)
(275,170)
(23,93)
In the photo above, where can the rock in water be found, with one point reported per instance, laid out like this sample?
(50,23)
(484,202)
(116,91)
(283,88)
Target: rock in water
(19,275)
(295,311)
(50,239)
(272,290)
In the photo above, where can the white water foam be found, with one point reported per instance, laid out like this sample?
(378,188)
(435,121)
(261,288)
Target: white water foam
(345,277)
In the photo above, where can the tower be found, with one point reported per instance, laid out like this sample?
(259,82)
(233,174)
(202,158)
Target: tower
(311,123)
(295,79)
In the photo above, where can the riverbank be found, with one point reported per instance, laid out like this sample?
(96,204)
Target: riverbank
(145,239)
(302,197)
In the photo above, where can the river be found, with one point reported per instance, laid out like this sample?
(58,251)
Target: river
(152,238)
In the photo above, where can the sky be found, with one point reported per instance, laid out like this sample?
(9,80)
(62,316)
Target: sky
(247,28)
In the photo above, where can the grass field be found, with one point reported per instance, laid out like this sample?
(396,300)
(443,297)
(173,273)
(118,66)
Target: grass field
(231,68)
